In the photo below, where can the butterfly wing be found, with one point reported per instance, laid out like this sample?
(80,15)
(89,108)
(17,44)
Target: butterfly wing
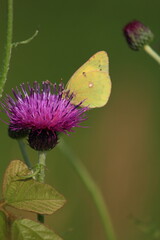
(91,82)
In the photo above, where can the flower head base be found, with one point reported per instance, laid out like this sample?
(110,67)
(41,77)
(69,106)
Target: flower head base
(42,111)
(42,140)
(137,35)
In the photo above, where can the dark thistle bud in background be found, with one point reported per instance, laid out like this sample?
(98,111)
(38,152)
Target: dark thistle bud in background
(17,134)
(137,35)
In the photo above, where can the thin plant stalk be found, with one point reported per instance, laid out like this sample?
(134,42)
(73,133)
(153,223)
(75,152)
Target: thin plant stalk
(24,153)
(7,47)
(152,53)
(41,177)
(92,188)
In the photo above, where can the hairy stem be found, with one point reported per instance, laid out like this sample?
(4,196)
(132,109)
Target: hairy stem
(7,48)
(92,188)
(24,153)
(152,53)
(41,176)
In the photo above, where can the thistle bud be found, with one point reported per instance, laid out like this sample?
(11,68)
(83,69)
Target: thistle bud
(17,134)
(137,35)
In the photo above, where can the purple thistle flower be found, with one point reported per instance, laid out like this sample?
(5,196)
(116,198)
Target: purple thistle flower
(137,35)
(41,112)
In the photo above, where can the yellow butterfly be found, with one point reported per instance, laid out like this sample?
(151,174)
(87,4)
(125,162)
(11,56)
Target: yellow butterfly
(91,83)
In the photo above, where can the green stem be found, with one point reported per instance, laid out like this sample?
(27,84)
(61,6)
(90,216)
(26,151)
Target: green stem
(24,153)
(41,176)
(7,48)
(42,164)
(92,188)
(152,53)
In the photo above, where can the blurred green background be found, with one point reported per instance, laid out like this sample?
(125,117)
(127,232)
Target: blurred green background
(121,146)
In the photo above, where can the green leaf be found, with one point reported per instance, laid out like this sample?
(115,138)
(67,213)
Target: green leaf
(26,229)
(3,226)
(31,195)
(15,169)
(28,194)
